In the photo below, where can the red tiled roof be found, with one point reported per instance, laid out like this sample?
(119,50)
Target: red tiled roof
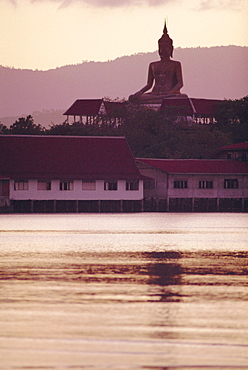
(238,147)
(205,106)
(84,107)
(213,166)
(188,106)
(66,157)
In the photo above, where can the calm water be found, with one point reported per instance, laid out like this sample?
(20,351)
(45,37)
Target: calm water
(131,291)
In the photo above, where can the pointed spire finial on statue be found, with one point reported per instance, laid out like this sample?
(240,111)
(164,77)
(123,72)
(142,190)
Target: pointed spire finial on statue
(165,28)
(165,39)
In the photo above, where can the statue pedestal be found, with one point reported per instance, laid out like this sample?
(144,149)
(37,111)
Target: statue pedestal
(155,107)
(176,99)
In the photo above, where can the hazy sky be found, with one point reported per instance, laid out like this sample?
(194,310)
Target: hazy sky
(45,34)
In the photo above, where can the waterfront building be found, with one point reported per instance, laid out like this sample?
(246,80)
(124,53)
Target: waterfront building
(195,185)
(68,174)
(235,151)
(99,174)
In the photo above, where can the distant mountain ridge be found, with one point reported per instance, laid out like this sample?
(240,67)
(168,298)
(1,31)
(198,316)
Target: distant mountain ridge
(214,73)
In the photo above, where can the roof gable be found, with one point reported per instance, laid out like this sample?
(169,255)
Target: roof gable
(66,157)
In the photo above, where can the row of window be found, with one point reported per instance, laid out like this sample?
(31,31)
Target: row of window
(228,184)
(68,185)
(113,185)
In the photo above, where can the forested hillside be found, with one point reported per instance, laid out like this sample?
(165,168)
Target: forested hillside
(214,73)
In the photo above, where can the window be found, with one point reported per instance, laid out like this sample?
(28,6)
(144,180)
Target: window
(132,185)
(110,185)
(180,184)
(4,188)
(66,185)
(245,157)
(206,184)
(21,185)
(44,185)
(88,185)
(231,184)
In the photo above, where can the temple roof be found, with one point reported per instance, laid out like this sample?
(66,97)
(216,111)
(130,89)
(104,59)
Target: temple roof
(93,107)
(85,107)
(189,106)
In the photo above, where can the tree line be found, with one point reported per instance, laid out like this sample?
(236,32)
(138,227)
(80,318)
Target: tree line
(156,134)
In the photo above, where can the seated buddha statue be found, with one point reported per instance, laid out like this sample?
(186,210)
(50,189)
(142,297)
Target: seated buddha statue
(165,75)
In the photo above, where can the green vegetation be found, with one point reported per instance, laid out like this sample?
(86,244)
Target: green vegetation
(157,134)
(232,118)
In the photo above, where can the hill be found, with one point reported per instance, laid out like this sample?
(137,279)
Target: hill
(216,73)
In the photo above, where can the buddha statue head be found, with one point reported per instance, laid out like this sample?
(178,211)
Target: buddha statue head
(165,44)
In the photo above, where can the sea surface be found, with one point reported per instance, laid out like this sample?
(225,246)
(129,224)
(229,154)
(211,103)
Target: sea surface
(124,291)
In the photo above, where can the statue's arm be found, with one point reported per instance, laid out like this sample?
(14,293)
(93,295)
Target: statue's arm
(149,84)
(179,78)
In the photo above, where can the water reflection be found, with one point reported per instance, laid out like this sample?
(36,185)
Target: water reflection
(165,270)
(140,295)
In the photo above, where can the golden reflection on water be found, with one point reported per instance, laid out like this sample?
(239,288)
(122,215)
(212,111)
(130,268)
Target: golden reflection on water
(72,300)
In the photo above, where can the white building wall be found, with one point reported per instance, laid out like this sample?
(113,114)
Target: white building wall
(180,193)
(164,184)
(160,181)
(77,193)
(218,190)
